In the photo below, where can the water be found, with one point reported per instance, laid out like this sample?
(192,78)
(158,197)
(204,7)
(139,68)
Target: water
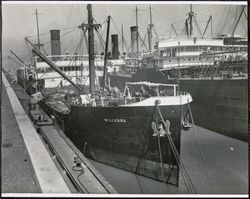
(128,183)
(226,169)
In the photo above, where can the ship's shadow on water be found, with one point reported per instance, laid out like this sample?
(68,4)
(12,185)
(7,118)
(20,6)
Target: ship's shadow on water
(225,170)
(129,183)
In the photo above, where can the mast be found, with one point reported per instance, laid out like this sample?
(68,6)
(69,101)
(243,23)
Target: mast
(106,54)
(150,29)
(37,27)
(211,26)
(137,40)
(38,39)
(191,20)
(150,14)
(91,50)
(197,26)
(210,19)
(243,7)
(90,26)
(122,38)
(172,25)
(186,27)
(137,35)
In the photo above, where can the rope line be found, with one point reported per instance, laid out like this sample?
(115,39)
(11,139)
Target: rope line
(41,34)
(100,39)
(186,178)
(200,150)
(120,34)
(159,147)
(61,36)
(142,41)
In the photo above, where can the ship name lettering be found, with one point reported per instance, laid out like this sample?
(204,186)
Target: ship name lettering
(116,120)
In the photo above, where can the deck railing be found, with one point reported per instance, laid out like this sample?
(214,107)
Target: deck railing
(182,93)
(69,58)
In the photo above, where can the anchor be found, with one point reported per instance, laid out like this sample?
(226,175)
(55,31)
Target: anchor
(159,129)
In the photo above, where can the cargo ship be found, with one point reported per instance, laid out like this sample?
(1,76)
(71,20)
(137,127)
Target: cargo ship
(213,70)
(137,130)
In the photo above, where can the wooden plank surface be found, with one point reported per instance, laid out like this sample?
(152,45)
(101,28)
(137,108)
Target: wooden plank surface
(85,179)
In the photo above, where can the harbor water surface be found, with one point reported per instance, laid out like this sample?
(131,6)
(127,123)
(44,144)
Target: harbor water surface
(224,171)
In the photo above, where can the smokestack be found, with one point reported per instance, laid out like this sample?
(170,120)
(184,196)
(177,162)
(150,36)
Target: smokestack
(55,43)
(134,31)
(115,49)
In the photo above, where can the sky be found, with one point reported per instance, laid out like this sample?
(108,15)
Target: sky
(18,21)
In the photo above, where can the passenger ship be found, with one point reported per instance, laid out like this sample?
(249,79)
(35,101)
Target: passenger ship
(73,66)
(213,70)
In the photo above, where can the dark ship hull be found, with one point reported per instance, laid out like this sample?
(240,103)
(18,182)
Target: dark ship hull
(218,104)
(122,137)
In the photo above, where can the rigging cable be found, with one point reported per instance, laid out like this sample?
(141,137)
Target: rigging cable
(170,31)
(156,33)
(227,19)
(159,148)
(70,41)
(186,178)
(142,41)
(219,24)
(61,36)
(244,26)
(145,36)
(144,151)
(100,35)
(200,150)
(76,51)
(145,142)
(47,33)
(119,33)
(70,13)
(235,18)
(70,59)
(103,30)
(100,38)
(86,39)
(29,51)
(197,26)
(205,10)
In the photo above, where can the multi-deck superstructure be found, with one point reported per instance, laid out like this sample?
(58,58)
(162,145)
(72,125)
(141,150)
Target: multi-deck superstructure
(195,57)
(213,70)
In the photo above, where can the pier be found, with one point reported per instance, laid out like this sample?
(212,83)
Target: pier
(44,163)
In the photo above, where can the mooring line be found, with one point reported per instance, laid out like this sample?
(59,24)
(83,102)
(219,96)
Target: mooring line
(200,150)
